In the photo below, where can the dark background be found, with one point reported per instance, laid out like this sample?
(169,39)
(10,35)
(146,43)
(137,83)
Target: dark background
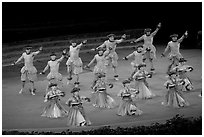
(31,20)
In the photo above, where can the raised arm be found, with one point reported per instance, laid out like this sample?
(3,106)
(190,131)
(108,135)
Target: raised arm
(82,43)
(37,52)
(157,29)
(183,36)
(63,56)
(123,37)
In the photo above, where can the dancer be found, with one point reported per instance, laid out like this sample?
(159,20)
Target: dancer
(101,98)
(76,114)
(100,67)
(141,83)
(54,76)
(174,47)
(112,58)
(74,63)
(127,106)
(174,97)
(150,50)
(181,70)
(28,71)
(54,109)
(138,54)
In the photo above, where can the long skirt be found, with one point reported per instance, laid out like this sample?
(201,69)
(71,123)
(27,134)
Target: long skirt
(174,99)
(103,100)
(54,109)
(76,117)
(127,107)
(144,92)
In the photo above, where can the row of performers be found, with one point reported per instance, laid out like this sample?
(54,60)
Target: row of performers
(106,56)
(109,57)
(101,99)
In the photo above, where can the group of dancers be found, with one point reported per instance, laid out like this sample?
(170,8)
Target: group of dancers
(177,83)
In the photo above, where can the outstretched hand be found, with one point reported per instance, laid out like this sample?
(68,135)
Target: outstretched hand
(159,25)
(186,33)
(84,42)
(41,48)
(14,63)
(123,36)
(64,51)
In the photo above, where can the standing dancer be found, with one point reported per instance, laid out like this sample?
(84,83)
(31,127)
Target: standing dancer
(141,83)
(181,70)
(138,59)
(76,114)
(174,97)
(112,58)
(54,109)
(28,71)
(127,106)
(174,47)
(101,98)
(54,76)
(150,50)
(74,63)
(100,67)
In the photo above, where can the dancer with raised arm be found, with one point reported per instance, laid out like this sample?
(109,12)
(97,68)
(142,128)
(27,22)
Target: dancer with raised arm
(54,76)
(28,71)
(149,48)
(112,58)
(74,62)
(138,54)
(100,67)
(174,47)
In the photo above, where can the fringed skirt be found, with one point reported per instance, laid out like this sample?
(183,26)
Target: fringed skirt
(103,100)
(144,92)
(54,109)
(127,107)
(76,117)
(175,99)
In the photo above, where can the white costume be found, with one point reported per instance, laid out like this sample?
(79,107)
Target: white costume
(74,62)
(28,70)
(110,48)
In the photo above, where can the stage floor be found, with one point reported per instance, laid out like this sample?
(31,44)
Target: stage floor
(22,111)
